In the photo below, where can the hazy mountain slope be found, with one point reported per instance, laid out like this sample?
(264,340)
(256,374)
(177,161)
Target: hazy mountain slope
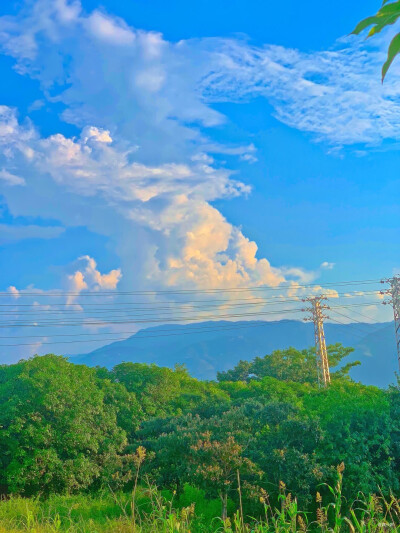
(377,351)
(212,346)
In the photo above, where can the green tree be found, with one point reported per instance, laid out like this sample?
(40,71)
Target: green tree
(203,451)
(359,427)
(241,372)
(59,429)
(217,464)
(394,413)
(162,391)
(290,365)
(285,449)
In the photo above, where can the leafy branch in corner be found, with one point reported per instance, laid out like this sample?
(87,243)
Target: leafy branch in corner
(386,16)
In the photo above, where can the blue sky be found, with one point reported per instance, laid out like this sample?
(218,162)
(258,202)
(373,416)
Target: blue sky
(149,145)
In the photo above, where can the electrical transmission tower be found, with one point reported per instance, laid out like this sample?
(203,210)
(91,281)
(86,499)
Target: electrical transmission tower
(394,293)
(317,316)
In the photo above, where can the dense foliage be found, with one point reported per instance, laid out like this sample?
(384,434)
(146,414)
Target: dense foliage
(265,424)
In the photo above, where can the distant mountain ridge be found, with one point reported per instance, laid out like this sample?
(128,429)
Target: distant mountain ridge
(208,347)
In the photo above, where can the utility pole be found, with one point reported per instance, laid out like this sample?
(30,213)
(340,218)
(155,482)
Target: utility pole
(394,293)
(317,316)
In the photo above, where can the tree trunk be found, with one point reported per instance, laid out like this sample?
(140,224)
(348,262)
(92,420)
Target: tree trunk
(224,503)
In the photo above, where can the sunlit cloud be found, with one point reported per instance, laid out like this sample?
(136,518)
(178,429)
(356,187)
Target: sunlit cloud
(142,170)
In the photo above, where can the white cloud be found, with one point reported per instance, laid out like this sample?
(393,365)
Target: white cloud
(245,153)
(142,170)
(301,275)
(96,134)
(112,30)
(299,292)
(94,279)
(12,233)
(157,173)
(326,265)
(90,278)
(188,241)
(334,94)
(36,105)
(11,179)
(136,168)
(76,284)
(13,291)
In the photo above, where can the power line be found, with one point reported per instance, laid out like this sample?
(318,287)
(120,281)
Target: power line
(350,324)
(156,309)
(146,336)
(365,316)
(15,322)
(175,319)
(360,336)
(351,318)
(44,323)
(192,291)
(192,328)
(117,306)
(139,337)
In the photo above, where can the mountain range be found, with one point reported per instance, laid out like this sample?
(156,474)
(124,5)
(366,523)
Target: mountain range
(208,347)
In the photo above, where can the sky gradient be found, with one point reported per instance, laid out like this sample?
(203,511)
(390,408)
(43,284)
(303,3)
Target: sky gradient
(151,146)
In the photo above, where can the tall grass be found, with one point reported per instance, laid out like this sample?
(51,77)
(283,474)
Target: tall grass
(112,513)
(147,510)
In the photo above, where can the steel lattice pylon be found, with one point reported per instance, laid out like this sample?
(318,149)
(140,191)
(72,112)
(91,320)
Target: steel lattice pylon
(317,316)
(394,293)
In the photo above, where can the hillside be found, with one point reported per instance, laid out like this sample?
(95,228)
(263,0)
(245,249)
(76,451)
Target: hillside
(210,347)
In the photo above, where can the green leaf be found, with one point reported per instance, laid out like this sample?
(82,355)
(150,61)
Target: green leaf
(389,8)
(387,21)
(394,49)
(364,24)
(388,14)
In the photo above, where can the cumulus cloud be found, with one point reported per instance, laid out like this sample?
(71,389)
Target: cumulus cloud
(189,242)
(96,134)
(111,30)
(90,278)
(34,317)
(14,291)
(299,292)
(142,170)
(93,279)
(138,163)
